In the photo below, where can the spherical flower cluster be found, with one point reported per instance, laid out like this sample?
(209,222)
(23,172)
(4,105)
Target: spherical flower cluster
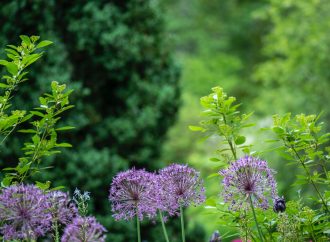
(85,229)
(180,185)
(63,210)
(140,193)
(246,178)
(24,212)
(133,193)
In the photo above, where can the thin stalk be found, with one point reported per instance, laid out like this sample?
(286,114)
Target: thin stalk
(230,143)
(313,234)
(255,219)
(311,180)
(138,228)
(163,226)
(245,226)
(56,233)
(182,224)
(232,149)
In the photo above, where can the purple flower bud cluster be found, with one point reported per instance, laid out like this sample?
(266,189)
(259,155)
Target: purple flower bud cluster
(84,229)
(248,177)
(27,212)
(63,210)
(141,193)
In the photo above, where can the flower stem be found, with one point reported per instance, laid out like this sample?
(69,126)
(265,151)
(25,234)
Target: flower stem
(163,225)
(138,228)
(182,224)
(310,179)
(56,233)
(255,219)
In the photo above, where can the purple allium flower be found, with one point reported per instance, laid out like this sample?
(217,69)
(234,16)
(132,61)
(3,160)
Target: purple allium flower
(84,229)
(133,193)
(179,185)
(248,176)
(63,210)
(24,212)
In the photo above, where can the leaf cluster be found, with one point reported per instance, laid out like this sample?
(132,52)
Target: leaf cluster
(223,119)
(42,120)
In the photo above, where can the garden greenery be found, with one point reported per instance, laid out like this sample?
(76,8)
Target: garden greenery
(249,203)
(301,142)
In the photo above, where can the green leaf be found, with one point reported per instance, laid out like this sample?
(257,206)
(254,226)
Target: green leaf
(43,185)
(195,128)
(65,128)
(21,169)
(6,181)
(31,59)
(11,51)
(12,68)
(31,131)
(37,113)
(3,62)
(44,43)
(278,130)
(214,159)
(240,140)
(57,188)
(65,145)
(213,175)
(211,202)
(2,85)
(25,39)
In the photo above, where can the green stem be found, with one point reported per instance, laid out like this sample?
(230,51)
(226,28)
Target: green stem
(182,224)
(311,180)
(255,219)
(312,229)
(57,234)
(163,225)
(138,228)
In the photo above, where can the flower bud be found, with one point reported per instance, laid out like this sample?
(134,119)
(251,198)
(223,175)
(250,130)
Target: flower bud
(215,237)
(279,205)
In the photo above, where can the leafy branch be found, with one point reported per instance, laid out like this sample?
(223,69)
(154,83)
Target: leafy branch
(44,126)
(303,143)
(223,119)
(19,58)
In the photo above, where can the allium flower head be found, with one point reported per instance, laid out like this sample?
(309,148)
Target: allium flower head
(133,193)
(180,185)
(248,176)
(24,212)
(85,229)
(63,210)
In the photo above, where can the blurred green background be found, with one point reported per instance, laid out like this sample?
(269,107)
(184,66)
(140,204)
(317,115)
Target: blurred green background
(139,67)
